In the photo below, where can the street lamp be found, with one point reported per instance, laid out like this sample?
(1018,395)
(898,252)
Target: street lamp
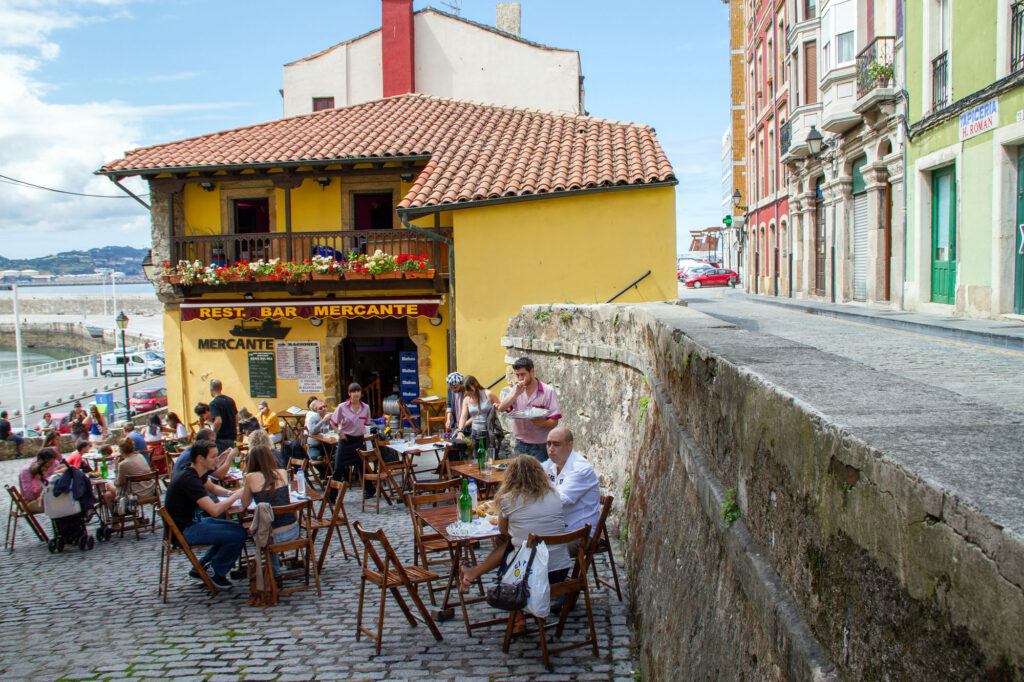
(814,140)
(122,322)
(148,269)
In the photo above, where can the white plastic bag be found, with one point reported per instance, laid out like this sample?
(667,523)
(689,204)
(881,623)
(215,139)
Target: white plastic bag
(539,603)
(517,565)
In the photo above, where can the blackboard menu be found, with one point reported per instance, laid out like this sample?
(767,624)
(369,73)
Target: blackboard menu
(262,379)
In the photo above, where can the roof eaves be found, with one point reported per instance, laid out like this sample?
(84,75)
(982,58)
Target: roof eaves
(495,30)
(266,164)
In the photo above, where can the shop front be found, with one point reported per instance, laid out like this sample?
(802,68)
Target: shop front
(286,350)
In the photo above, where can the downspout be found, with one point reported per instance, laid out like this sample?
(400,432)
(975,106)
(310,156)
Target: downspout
(451,282)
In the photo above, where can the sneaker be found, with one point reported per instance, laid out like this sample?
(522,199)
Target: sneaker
(222,582)
(195,575)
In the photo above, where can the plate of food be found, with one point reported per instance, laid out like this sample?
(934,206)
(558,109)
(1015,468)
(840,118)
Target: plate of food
(530,413)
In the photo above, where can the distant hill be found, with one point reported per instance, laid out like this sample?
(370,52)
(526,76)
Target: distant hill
(122,258)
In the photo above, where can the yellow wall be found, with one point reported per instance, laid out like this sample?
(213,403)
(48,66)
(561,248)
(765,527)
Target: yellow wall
(581,249)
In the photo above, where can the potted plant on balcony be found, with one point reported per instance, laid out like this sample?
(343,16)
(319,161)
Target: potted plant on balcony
(211,275)
(355,266)
(170,274)
(880,73)
(262,270)
(325,268)
(239,272)
(293,272)
(415,267)
(382,266)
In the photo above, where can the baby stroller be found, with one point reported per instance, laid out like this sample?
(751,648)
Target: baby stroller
(69,502)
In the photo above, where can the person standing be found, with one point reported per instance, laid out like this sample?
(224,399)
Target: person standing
(225,417)
(351,419)
(531,434)
(476,404)
(97,425)
(576,482)
(79,426)
(453,404)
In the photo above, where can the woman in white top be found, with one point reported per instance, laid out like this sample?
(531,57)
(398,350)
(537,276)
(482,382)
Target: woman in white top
(175,428)
(476,404)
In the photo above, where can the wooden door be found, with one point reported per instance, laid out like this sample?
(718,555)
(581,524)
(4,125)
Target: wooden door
(1018,289)
(810,72)
(943,247)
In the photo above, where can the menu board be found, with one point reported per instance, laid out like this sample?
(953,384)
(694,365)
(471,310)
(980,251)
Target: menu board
(262,383)
(298,359)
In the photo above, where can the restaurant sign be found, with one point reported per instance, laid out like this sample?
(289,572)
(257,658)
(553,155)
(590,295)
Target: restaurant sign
(980,119)
(307,309)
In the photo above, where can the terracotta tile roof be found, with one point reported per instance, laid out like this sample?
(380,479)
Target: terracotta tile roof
(474,152)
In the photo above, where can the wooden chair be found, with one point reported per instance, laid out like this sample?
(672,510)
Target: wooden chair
(389,574)
(339,518)
(571,587)
(137,521)
(173,542)
(437,486)
(301,545)
(159,461)
(308,472)
(401,467)
(374,472)
(427,544)
(406,419)
(19,510)
(601,544)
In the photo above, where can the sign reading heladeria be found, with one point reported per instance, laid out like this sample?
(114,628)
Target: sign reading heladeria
(980,119)
(306,309)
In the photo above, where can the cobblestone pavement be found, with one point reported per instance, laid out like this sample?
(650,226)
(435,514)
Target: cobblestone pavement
(988,375)
(96,615)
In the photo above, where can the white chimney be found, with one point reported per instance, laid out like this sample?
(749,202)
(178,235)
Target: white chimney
(509,17)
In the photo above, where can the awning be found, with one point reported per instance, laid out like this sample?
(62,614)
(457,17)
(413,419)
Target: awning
(205,309)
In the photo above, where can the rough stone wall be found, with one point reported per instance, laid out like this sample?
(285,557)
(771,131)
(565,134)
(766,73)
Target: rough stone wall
(8,449)
(75,306)
(844,563)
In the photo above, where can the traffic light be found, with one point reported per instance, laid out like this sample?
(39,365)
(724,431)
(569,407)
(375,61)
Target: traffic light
(727,221)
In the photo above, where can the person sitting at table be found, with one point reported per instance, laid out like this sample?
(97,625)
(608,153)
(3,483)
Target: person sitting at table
(576,482)
(97,425)
(52,440)
(153,434)
(269,422)
(477,402)
(189,492)
(260,438)
(75,457)
(317,424)
(202,411)
(46,463)
(351,419)
(175,428)
(265,481)
(246,422)
(131,463)
(184,460)
(528,503)
(137,439)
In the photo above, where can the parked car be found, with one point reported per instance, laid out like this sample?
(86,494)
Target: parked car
(146,399)
(30,433)
(712,277)
(113,364)
(694,270)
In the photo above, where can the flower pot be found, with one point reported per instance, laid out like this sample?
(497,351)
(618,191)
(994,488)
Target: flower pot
(394,274)
(420,274)
(264,278)
(321,276)
(172,279)
(235,278)
(357,275)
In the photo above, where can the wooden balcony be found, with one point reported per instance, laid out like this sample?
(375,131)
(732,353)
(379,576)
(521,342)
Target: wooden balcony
(226,249)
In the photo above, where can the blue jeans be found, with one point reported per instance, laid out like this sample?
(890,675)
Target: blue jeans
(226,540)
(282,536)
(538,450)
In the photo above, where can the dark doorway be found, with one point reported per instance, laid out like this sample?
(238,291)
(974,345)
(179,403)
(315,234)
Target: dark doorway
(252,216)
(373,212)
(819,240)
(369,355)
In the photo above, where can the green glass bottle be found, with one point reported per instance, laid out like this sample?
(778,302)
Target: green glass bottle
(103,467)
(465,504)
(481,454)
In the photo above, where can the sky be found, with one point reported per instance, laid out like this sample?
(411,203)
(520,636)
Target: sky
(83,81)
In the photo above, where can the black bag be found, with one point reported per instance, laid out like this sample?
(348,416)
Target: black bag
(512,597)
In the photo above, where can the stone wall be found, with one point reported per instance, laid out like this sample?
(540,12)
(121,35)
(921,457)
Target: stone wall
(8,450)
(844,562)
(76,306)
(69,335)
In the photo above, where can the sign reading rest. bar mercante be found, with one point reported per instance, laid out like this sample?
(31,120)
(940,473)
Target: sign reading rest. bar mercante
(307,309)
(262,383)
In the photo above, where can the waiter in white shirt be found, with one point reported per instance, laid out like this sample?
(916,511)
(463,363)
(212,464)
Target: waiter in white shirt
(576,483)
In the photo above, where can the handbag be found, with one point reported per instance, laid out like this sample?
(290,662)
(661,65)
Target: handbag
(126,505)
(514,594)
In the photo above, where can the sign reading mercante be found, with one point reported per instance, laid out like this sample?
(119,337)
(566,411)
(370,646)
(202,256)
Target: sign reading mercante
(306,309)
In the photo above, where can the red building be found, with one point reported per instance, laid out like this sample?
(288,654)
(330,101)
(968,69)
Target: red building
(767,253)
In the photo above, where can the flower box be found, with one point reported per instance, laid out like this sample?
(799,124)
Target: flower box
(264,278)
(322,276)
(234,278)
(420,274)
(394,274)
(357,275)
(172,279)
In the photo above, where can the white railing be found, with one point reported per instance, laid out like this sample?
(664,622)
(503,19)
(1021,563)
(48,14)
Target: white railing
(9,376)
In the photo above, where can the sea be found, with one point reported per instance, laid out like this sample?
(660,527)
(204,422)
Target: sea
(135,289)
(33,356)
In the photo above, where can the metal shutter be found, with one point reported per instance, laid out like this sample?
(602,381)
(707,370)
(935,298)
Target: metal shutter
(860,246)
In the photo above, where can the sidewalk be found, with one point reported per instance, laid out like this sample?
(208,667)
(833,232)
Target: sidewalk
(995,333)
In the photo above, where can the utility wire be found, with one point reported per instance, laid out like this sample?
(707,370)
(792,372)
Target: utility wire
(14,181)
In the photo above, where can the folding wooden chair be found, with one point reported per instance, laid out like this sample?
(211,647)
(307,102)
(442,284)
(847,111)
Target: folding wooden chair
(402,466)
(19,510)
(309,472)
(427,544)
(173,542)
(601,544)
(389,574)
(406,419)
(301,545)
(571,587)
(137,521)
(436,486)
(374,472)
(338,518)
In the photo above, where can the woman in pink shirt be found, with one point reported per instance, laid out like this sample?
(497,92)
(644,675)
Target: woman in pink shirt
(351,419)
(30,481)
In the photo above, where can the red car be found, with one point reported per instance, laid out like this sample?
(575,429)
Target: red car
(145,399)
(713,277)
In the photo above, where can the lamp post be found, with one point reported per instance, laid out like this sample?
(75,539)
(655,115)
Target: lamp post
(737,202)
(17,353)
(122,322)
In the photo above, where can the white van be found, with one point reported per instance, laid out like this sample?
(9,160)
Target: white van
(113,364)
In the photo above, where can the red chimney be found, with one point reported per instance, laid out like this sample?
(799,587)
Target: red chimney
(397,45)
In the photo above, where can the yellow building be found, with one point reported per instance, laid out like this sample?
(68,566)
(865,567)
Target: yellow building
(512,206)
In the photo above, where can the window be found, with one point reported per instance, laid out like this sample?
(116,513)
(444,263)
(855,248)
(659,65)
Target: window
(844,47)
(810,8)
(810,72)
(321,103)
(825,51)
(1017,35)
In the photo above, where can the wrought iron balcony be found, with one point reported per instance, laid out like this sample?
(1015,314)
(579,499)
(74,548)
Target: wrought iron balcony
(940,81)
(875,65)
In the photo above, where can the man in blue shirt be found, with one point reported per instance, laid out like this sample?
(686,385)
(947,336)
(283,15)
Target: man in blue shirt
(184,460)
(137,439)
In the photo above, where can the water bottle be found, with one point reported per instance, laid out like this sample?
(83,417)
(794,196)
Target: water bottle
(300,482)
(472,493)
(489,462)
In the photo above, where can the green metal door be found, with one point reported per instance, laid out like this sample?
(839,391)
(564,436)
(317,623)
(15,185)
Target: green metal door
(1018,289)
(944,236)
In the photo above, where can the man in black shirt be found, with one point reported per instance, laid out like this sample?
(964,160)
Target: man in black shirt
(225,417)
(187,494)
(5,431)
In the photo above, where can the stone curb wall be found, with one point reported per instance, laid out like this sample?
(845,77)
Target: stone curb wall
(843,555)
(75,305)
(8,450)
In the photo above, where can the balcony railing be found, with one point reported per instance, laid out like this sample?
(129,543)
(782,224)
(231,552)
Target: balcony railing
(940,81)
(225,249)
(785,137)
(875,65)
(1017,35)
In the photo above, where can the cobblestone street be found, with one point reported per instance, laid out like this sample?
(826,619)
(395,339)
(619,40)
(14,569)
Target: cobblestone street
(97,615)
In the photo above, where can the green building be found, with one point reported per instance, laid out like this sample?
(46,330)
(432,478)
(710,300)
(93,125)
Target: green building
(965,157)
